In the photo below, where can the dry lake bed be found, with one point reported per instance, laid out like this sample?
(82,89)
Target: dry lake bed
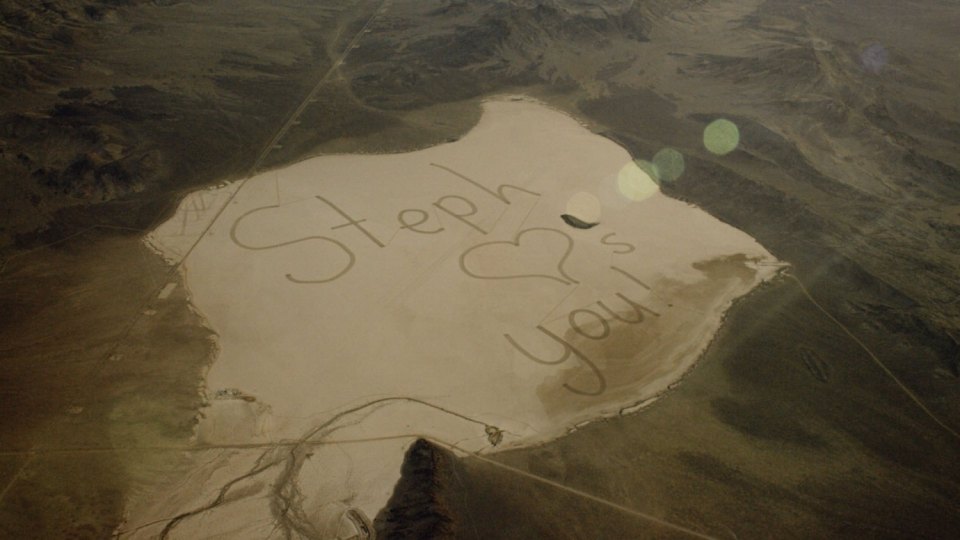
(363,301)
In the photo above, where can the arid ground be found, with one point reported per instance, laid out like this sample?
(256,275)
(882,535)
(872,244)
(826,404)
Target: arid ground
(827,404)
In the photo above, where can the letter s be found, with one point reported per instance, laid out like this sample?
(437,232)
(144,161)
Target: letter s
(351,258)
(630,248)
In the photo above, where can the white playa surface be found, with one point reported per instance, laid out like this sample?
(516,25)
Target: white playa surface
(416,290)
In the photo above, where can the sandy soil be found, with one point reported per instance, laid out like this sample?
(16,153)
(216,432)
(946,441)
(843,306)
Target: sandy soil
(436,292)
(847,169)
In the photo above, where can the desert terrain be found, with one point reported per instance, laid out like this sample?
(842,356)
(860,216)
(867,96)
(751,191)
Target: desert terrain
(824,404)
(398,323)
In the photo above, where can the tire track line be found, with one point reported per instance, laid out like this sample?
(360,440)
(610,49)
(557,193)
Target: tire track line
(290,122)
(913,397)
(454,447)
(582,494)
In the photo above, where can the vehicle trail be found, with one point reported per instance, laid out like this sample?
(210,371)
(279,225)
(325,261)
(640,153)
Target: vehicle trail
(285,496)
(913,397)
(291,120)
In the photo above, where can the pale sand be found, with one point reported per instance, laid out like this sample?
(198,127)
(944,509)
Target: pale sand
(436,316)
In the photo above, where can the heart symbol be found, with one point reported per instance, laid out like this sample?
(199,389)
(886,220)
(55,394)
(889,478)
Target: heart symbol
(516,243)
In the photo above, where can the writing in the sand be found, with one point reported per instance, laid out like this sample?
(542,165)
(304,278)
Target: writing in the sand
(591,325)
(585,322)
(419,221)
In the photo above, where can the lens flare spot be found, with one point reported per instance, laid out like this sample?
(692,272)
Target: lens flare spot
(585,207)
(669,164)
(721,137)
(635,180)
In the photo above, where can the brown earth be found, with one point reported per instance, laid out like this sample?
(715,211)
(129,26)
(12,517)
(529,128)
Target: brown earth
(111,110)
